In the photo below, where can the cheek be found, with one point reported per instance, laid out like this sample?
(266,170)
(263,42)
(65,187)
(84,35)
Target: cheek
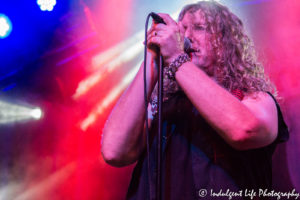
(200,38)
(209,49)
(202,41)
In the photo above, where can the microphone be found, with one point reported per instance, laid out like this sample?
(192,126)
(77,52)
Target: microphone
(159,20)
(187,45)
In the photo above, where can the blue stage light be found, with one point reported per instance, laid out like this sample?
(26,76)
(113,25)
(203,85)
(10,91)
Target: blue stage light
(46,5)
(5,26)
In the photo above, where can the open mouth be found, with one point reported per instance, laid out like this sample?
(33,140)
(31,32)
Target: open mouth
(192,52)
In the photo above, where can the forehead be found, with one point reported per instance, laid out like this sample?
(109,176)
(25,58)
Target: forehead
(196,17)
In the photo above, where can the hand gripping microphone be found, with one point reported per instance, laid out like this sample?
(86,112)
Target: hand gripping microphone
(159,20)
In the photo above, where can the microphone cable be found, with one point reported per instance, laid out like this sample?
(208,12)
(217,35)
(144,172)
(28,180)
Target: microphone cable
(146,110)
(157,20)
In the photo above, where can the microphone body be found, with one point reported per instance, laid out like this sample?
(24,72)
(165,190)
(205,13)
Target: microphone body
(157,18)
(187,45)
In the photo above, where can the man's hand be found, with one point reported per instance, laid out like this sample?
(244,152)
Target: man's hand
(167,37)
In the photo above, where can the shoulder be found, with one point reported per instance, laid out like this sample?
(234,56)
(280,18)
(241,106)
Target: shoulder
(258,96)
(262,101)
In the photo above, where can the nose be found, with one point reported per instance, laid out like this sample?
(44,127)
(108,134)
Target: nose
(189,34)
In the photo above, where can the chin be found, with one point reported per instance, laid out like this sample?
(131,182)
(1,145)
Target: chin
(205,66)
(200,63)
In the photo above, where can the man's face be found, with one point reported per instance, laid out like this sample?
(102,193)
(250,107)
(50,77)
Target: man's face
(195,28)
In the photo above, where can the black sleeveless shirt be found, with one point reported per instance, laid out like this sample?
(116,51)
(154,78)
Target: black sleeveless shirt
(195,158)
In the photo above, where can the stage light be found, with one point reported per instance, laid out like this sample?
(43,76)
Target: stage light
(114,93)
(46,5)
(10,113)
(36,113)
(5,26)
(128,55)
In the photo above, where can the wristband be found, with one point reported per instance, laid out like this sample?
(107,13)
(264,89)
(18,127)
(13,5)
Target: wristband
(175,64)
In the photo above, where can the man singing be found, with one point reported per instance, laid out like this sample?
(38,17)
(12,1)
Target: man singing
(221,122)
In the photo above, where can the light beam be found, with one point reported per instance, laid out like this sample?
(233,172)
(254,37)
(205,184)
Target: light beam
(10,113)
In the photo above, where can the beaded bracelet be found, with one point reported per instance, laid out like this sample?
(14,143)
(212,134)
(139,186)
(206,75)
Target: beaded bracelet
(175,64)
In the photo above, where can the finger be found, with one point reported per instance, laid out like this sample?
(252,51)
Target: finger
(154,41)
(150,36)
(167,18)
(160,27)
(157,32)
(154,33)
(157,28)
(150,30)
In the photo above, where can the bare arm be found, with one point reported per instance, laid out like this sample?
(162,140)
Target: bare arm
(123,139)
(249,124)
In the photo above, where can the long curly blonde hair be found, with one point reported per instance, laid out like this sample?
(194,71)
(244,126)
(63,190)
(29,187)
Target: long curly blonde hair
(236,62)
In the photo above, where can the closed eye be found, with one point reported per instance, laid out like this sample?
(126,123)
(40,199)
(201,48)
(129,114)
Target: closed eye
(199,27)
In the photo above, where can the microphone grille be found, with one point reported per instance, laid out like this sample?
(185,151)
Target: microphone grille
(187,45)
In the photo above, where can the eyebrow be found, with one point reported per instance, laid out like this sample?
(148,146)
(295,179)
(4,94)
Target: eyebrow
(199,24)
